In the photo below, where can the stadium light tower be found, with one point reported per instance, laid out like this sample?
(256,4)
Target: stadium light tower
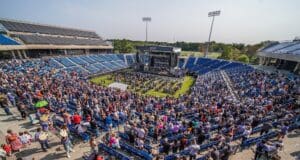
(211,14)
(146,19)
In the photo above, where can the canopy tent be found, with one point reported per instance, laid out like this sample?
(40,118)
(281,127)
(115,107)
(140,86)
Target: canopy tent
(121,86)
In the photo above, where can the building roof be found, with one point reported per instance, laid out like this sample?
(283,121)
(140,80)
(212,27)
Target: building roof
(289,50)
(28,27)
(40,36)
(37,39)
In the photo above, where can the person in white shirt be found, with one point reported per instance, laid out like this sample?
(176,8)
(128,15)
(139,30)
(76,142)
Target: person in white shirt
(194,149)
(141,133)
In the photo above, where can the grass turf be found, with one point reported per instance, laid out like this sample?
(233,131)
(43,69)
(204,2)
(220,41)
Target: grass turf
(187,83)
(154,93)
(103,80)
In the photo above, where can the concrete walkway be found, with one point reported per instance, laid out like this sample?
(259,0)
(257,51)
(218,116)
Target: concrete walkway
(34,150)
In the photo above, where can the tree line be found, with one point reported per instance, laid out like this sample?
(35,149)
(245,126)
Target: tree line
(235,51)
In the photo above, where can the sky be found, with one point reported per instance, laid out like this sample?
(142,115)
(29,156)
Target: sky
(241,21)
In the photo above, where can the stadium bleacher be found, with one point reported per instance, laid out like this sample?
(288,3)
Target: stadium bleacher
(65,61)
(289,49)
(130,58)
(296,52)
(37,39)
(96,65)
(279,46)
(45,29)
(284,55)
(181,62)
(204,65)
(190,62)
(4,40)
(80,64)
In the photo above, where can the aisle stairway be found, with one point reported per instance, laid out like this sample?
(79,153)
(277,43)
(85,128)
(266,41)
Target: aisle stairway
(229,85)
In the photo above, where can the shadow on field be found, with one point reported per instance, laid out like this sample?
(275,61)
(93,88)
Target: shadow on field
(52,156)
(28,152)
(10,119)
(26,125)
(293,135)
(296,154)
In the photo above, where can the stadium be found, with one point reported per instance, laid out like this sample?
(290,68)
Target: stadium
(65,94)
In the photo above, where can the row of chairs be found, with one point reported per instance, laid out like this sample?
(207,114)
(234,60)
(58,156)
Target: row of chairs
(113,152)
(141,153)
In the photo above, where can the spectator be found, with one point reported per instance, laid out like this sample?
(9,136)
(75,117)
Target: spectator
(259,150)
(13,140)
(175,146)
(2,154)
(215,154)
(65,141)
(76,118)
(22,110)
(24,139)
(28,136)
(283,131)
(183,143)
(7,149)
(193,150)
(94,127)
(42,138)
(166,146)
(93,145)
(266,127)
(201,137)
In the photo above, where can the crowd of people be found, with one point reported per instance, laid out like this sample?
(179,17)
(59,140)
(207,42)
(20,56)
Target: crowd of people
(144,82)
(168,127)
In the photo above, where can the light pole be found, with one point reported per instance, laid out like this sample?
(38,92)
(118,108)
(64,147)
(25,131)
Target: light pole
(211,14)
(146,19)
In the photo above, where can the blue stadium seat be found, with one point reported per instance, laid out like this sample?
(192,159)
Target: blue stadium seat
(65,61)
(4,40)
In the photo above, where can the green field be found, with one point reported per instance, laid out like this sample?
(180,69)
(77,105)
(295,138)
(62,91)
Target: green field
(103,80)
(187,83)
(199,54)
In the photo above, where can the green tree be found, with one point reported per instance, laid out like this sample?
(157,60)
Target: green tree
(123,46)
(227,52)
(243,58)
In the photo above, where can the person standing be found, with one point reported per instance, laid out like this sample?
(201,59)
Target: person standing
(93,144)
(22,110)
(65,141)
(193,148)
(42,138)
(215,154)
(4,105)
(266,128)
(11,98)
(94,127)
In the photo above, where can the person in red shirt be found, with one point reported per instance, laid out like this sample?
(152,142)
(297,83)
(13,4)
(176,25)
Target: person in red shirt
(76,118)
(7,149)
(98,157)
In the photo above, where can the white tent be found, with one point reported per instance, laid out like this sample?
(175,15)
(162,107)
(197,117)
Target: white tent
(120,86)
